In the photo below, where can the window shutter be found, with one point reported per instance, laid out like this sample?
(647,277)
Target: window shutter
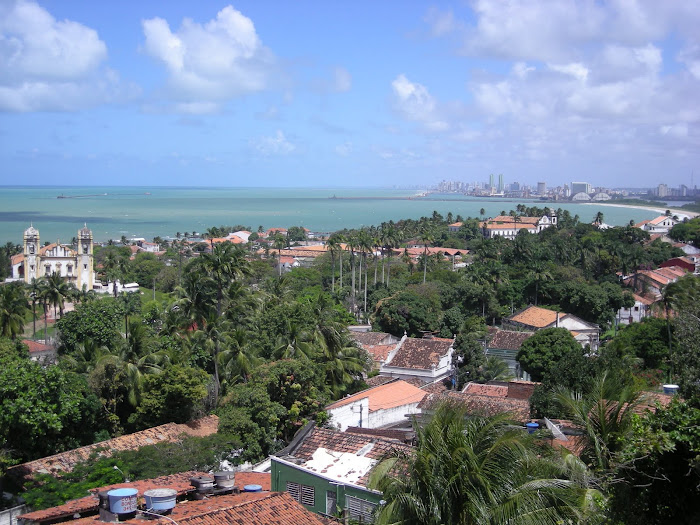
(294,490)
(307,495)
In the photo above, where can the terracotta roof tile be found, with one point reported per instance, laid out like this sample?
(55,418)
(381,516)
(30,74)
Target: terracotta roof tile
(179,482)
(371,338)
(35,346)
(390,395)
(340,442)
(66,461)
(479,404)
(509,340)
(16,259)
(486,390)
(520,220)
(379,380)
(420,353)
(387,433)
(536,316)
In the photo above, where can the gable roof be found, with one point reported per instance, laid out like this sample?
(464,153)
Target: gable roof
(370,338)
(343,456)
(536,316)
(37,347)
(389,395)
(66,461)
(16,259)
(479,404)
(508,339)
(420,354)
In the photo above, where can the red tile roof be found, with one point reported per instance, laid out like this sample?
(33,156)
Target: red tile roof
(390,395)
(179,482)
(379,380)
(479,404)
(340,442)
(536,317)
(486,390)
(36,347)
(420,354)
(66,461)
(16,259)
(370,338)
(509,340)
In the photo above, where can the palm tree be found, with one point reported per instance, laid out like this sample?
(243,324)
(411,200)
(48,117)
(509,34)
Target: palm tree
(364,243)
(426,237)
(13,308)
(34,289)
(538,275)
(57,291)
(333,247)
(604,415)
(479,470)
(598,219)
(239,357)
(482,212)
(279,243)
(225,264)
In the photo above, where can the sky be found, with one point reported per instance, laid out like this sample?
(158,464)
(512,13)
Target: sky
(349,93)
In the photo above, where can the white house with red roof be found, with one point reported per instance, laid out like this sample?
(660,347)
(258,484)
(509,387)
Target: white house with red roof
(428,359)
(508,226)
(661,224)
(376,407)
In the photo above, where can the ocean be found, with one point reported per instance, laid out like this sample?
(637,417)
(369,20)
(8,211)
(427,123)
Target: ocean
(111,212)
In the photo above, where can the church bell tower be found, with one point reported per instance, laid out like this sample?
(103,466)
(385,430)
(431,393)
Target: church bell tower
(85,268)
(31,254)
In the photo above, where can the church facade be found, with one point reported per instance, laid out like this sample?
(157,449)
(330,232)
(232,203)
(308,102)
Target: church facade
(73,263)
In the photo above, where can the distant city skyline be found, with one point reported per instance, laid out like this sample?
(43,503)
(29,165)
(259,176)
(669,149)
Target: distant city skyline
(352,94)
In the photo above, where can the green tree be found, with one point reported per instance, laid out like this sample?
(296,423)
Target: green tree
(43,411)
(482,470)
(412,311)
(658,469)
(541,351)
(176,395)
(13,310)
(97,321)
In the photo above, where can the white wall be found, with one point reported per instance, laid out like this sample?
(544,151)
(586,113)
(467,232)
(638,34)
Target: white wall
(355,414)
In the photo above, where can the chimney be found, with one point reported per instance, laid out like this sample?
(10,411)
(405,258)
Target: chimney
(557,325)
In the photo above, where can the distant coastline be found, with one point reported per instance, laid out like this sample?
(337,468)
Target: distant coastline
(661,211)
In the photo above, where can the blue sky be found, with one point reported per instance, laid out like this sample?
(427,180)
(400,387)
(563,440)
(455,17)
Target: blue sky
(362,93)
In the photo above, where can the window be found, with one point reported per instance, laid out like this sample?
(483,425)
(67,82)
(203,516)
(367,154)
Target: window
(85,266)
(304,494)
(331,502)
(360,510)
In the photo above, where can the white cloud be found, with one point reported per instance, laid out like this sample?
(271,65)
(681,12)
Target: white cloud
(440,22)
(344,149)
(342,79)
(690,56)
(212,62)
(51,65)
(576,70)
(415,103)
(275,145)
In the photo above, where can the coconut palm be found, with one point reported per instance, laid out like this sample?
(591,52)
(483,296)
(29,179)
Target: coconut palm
(604,415)
(481,470)
(598,219)
(427,237)
(238,359)
(34,290)
(58,290)
(538,275)
(279,243)
(333,245)
(13,308)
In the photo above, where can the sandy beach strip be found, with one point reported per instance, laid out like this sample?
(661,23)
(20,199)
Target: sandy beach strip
(660,211)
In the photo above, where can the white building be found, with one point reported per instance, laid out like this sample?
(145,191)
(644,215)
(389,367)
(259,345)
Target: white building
(427,359)
(377,407)
(74,264)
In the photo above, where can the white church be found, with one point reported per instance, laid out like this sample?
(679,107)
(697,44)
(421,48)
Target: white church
(74,264)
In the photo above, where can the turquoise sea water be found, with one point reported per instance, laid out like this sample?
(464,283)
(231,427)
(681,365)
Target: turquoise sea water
(149,211)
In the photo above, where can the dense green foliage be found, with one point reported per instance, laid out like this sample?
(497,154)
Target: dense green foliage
(542,351)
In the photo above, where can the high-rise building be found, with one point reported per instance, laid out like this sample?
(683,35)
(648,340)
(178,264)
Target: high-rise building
(662,190)
(581,187)
(500,183)
(491,181)
(542,188)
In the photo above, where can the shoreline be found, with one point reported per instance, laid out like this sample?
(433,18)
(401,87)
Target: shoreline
(661,211)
